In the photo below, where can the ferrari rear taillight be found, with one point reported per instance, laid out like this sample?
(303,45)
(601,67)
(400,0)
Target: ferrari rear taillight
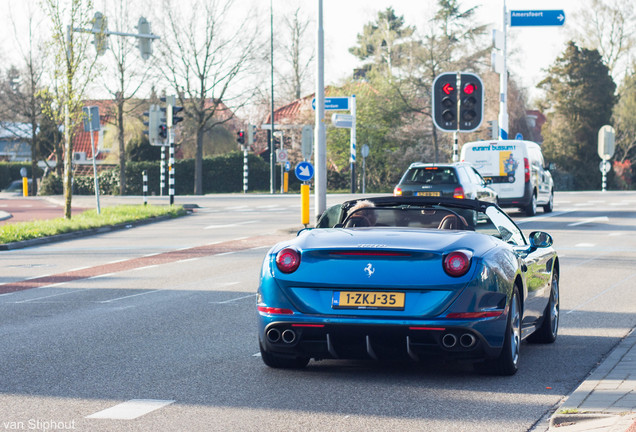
(459,193)
(526,170)
(274,310)
(397,191)
(456,263)
(288,260)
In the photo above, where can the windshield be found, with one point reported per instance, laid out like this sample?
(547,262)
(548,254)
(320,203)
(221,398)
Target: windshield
(435,217)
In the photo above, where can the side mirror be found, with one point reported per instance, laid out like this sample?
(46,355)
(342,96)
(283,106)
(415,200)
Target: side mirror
(540,239)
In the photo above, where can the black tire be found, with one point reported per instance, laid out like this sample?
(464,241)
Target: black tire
(531,209)
(280,362)
(549,329)
(550,205)
(508,361)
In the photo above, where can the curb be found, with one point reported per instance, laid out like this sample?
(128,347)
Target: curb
(4,215)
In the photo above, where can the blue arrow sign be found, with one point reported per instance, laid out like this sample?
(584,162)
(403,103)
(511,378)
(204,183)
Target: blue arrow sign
(304,171)
(333,103)
(520,18)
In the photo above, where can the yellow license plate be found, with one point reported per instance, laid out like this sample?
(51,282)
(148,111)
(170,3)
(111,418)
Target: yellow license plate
(428,194)
(368,300)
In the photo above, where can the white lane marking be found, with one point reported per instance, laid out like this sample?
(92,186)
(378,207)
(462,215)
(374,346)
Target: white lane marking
(151,255)
(585,245)
(231,225)
(545,216)
(187,260)
(128,296)
(257,355)
(605,291)
(118,261)
(590,220)
(146,267)
(234,299)
(225,253)
(79,268)
(48,296)
(131,409)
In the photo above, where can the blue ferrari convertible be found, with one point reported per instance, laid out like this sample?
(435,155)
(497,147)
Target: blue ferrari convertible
(412,278)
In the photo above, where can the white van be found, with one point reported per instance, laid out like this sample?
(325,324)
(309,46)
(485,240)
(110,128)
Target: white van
(516,171)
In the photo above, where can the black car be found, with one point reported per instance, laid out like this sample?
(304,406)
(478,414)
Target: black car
(454,180)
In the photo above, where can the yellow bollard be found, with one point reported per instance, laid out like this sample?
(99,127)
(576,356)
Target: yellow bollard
(304,204)
(285,181)
(25,186)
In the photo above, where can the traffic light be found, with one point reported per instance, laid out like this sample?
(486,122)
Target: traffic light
(471,102)
(251,134)
(458,105)
(445,101)
(176,110)
(163,131)
(144,44)
(240,137)
(493,129)
(154,116)
(100,29)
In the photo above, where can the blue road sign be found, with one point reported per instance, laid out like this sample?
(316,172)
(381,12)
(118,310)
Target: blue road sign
(519,136)
(519,18)
(91,118)
(304,171)
(287,166)
(333,103)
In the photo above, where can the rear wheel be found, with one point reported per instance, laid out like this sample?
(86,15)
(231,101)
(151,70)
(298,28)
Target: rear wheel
(282,362)
(508,360)
(549,329)
(550,205)
(531,209)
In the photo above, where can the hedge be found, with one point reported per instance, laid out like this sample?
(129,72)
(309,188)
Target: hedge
(221,174)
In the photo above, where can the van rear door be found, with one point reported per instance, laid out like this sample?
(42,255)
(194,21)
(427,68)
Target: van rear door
(501,162)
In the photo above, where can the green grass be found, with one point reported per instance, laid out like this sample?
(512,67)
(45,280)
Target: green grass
(21,231)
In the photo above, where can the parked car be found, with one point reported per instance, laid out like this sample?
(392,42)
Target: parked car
(516,170)
(16,187)
(409,278)
(455,180)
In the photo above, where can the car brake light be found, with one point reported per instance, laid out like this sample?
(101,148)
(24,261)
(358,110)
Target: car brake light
(526,170)
(456,264)
(459,193)
(288,260)
(397,191)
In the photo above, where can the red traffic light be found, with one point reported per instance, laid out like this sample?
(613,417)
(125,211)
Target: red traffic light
(448,89)
(470,88)
(240,137)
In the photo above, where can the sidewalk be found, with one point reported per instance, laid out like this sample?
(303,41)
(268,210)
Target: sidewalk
(606,400)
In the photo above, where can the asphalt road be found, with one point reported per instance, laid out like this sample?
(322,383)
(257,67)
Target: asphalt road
(154,328)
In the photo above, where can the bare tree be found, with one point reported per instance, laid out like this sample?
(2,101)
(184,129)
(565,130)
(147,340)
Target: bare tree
(72,73)
(131,75)
(206,55)
(608,26)
(298,53)
(23,96)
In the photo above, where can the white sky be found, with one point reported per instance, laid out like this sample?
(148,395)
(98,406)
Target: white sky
(536,47)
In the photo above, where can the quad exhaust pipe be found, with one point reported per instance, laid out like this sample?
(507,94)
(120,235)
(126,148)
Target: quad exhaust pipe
(449,340)
(466,340)
(273,335)
(287,336)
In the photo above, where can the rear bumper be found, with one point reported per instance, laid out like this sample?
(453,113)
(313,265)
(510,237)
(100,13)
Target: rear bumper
(380,342)
(523,201)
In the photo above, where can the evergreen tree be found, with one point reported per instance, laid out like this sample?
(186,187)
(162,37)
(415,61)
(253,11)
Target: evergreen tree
(579,101)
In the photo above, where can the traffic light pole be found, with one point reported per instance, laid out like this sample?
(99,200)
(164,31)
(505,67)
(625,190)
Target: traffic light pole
(503,82)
